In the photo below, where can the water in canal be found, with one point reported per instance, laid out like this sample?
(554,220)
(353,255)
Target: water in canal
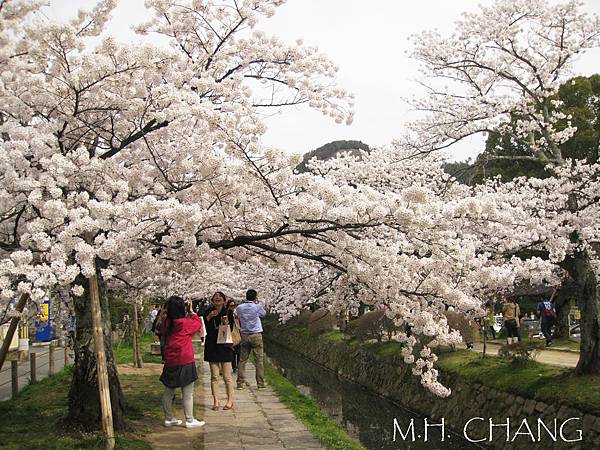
(362,413)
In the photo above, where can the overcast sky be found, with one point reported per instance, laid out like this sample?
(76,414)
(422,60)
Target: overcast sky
(367,40)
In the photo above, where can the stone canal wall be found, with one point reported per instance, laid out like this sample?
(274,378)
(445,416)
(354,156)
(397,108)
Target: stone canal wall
(391,378)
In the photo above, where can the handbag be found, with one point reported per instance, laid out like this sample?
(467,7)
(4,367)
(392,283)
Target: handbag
(235,334)
(224,335)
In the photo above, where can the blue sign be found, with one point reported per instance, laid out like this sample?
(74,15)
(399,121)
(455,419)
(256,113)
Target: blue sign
(43,326)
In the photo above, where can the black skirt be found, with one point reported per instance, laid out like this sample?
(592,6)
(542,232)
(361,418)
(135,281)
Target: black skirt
(178,376)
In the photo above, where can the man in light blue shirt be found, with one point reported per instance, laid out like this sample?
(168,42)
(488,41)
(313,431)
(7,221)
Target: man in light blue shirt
(251,329)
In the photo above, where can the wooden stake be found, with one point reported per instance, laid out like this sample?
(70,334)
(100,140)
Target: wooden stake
(12,328)
(103,386)
(51,359)
(14,374)
(33,367)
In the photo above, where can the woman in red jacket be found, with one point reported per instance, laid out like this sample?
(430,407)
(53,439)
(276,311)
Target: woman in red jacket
(180,366)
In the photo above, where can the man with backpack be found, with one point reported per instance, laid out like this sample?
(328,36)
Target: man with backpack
(547,313)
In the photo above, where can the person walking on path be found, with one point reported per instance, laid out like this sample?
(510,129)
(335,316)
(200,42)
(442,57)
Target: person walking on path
(153,315)
(236,348)
(547,313)
(218,356)
(179,370)
(511,313)
(489,322)
(250,313)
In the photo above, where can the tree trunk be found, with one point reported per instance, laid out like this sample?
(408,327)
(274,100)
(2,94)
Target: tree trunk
(84,401)
(588,300)
(14,323)
(137,353)
(563,301)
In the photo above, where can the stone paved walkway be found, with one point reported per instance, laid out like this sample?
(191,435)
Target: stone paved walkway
(258,420)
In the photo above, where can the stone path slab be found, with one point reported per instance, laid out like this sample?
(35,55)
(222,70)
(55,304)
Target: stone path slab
(258,420)
(254,422)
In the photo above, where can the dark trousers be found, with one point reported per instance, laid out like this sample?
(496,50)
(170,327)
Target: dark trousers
(489,329)
(547,330)
(511,328)
(235,362)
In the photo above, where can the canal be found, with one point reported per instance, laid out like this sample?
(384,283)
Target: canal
(365,415)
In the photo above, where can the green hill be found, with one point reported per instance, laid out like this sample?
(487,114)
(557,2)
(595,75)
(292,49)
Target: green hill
(330,150)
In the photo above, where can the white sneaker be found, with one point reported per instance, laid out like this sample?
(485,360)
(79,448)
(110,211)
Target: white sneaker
(194,423)
(173,423)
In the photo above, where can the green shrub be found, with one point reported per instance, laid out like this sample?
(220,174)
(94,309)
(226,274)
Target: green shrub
(367,326)
(520,351)
(468,329)
(301,320)
(320,322)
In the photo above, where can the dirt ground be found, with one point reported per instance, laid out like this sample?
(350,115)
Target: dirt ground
(149,369)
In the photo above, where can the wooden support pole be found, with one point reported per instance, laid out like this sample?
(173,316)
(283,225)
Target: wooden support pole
(12,328)
(14,374)
(33,367)
(103,385)
(51,359)
(137,355)
(65,356)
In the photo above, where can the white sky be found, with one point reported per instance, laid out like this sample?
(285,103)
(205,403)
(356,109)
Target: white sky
(367,40)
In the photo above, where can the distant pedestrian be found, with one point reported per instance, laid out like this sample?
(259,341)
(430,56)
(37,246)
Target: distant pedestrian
(179,370)
(231,306)
(152,318)
(250,313)
(218,356)
(157,328)
(548,316)
(489,321)
(511,313)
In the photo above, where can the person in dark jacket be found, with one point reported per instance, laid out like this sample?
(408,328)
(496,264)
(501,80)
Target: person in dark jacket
(157,329)
(218,356)
(547,312)
(236,349)
(179,370)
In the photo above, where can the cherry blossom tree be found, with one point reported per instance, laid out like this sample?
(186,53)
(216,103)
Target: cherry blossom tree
(117,158)
(498,72)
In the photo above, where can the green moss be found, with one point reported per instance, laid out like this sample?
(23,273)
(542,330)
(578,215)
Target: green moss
(33,420)
(308,412)
(333,336)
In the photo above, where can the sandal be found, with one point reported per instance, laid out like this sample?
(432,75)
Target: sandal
(226,408)
(216,407)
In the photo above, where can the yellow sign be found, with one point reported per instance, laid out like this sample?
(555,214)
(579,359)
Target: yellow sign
(43,315)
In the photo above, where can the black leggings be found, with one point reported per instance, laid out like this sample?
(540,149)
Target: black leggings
(512,328)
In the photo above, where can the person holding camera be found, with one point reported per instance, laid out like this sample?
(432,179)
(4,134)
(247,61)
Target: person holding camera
(179,370)
(219,356)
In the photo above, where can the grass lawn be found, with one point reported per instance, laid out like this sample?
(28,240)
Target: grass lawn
(308,412)
(543,382)
(33,419)
(124,352)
